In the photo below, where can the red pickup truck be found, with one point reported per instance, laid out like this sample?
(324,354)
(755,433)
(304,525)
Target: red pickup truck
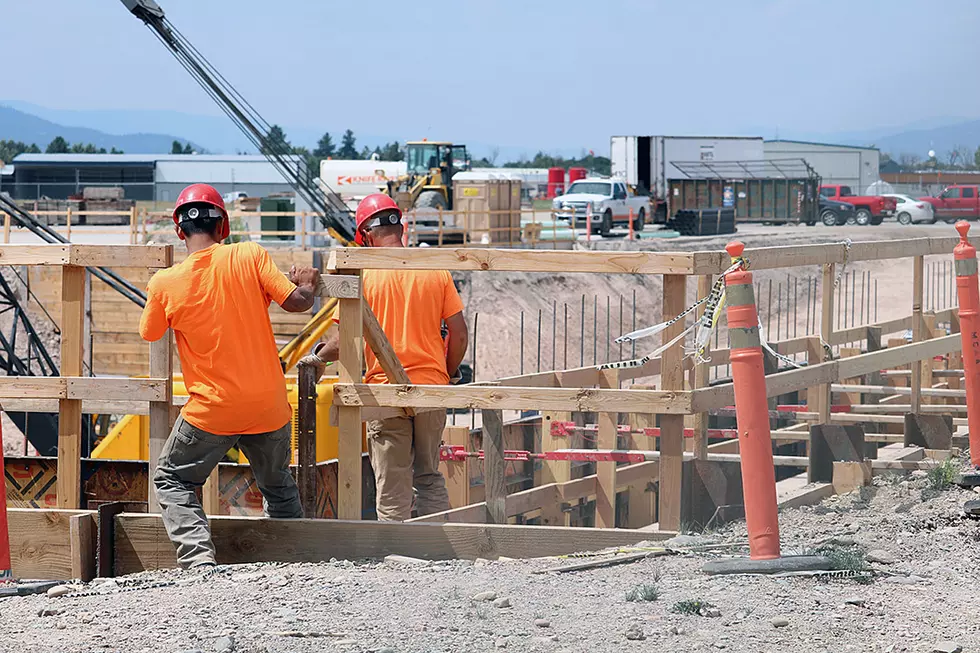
(868,209)
(956,203)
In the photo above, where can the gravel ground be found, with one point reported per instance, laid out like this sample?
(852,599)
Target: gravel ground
(923,594)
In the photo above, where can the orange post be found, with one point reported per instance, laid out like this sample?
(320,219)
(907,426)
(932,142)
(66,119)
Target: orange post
(631,224)
(752,413)
(965,260)
(6,573)
(588,222)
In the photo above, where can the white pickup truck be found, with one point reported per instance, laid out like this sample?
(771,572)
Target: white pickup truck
(610,202)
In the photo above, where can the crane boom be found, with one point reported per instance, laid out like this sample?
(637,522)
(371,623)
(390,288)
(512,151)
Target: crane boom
(331,209)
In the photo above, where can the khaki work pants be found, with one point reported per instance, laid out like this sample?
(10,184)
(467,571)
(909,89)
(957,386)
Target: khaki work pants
(187,459)
(405,453)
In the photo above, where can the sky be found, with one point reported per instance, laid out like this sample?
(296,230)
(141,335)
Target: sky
(538,74)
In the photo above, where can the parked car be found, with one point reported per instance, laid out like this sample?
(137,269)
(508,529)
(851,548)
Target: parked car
(609,201)
(834,213)
(959,202)
(868,209)
(911,210)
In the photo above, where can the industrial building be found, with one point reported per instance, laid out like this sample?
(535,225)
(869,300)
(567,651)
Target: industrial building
(848,165)
(143,177)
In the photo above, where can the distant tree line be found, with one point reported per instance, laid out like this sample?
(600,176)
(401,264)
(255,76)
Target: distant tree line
(276,141)
(58,145)
(960,157)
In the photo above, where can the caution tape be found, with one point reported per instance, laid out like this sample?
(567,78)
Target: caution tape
(840,272)
(780,357)
(714,303)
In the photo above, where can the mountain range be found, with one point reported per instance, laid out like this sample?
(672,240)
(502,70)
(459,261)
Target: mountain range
(146,131)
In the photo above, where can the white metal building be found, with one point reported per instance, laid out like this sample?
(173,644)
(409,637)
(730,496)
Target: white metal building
(848,165)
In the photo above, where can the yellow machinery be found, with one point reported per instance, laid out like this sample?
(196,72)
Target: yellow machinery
(429,182)
(129,439)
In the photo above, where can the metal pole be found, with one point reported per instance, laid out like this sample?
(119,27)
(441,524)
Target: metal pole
(853,294)
(607,327)
(595,328)
(564,364)
(539,339)
(554,332)
(769,308)
(633,328)
(876,300)
(522,344)
(779,312)
(581,353)
(620,325)
(861,320)
(807,329)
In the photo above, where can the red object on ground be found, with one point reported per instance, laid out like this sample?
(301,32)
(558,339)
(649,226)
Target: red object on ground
(5,570)
(965,260)
(556,182)
(752,413)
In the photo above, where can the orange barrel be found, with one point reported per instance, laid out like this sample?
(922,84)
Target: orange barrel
(752,413)
(965,260)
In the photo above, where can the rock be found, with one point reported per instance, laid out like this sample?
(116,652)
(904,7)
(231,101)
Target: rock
(346,642)
(919,473)
(501,643)
(946,647)
(225,644)
(720,645)
(905,506)
(49,612)
(904,580)
(86,617)
(742,614)
(485,596)
(387,649)
(542,623)
(193,650)
(635,633)
(779,622)
(502,602)
(881,556)
(406,560)
(855,600)
(687,540)
(712,612)
(58,590)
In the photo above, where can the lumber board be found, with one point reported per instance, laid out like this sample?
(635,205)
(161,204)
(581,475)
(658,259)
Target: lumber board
(493,467)
(40,542)
(382,349)
(146,256)
(896,390)
(82,387)
(142,543)
(716,262)
(82,534)
(795,491)
(894,356)
(513,398)
(510,260)
(672,426)
(341,286)
(70,410)
(881,419)
(605,500)
(579,377)
(350,370)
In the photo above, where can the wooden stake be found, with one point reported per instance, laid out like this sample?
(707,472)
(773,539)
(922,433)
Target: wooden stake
(672,426)
(306,432)
(211,493)
(70,410)
(493,467)
(350,370)
(554,471)
(161,420)
(605,498)
(701,373)
(917,329)
(457,473)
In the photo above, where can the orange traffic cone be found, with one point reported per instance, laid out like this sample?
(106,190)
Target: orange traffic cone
(6,574)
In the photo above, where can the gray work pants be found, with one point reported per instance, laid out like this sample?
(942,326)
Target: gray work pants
(405,453)
(187,459)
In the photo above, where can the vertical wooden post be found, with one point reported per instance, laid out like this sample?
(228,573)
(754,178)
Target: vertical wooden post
(68,222)
(605,496)
(822,398)
(672,426)
(306,432)
(457,473)
(350,370)
(161,366)
(493,466)
(70,410)
(302,228)
(554,471)
(701,373)
(6,228)
(917,330)
(642,502)
(211,495)
(132,225)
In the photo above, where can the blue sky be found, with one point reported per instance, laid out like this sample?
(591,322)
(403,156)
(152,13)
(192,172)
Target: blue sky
(535,74)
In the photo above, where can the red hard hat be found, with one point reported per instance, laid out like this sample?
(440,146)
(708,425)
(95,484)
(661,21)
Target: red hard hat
(369,207)
(200,193)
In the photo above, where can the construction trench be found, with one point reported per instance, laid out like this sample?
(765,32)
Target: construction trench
(585,500)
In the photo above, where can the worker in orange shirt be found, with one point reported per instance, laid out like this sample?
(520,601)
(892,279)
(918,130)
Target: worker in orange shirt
(217,303)
(412,306)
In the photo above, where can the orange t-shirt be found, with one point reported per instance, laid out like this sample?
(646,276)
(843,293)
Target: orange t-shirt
(217,302)
(411,306)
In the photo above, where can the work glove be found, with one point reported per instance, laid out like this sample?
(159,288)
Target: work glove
(315,361)
(456,377)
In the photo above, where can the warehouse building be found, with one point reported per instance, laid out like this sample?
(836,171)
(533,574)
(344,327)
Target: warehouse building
(847,165)
(143,177)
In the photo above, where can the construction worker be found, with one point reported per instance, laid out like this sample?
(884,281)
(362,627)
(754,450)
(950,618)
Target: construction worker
(412,306)
(217,303)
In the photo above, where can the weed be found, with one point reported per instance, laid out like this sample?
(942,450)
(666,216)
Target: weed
(644,592)
(693,607)
(942,475)
(850,558)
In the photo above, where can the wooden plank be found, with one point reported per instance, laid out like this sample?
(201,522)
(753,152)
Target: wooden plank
(896,390)
(554,471)
(82,534)
(894,356)
(306,475)
(578,377)
(917,328)
(40,542)
(671,426)
(701,377)
(70,410)
(642,507)
(211,494)
(35,254)
(121,256)
(82,387)
(794,492)
(605,499)
(350,370)
(493,467)
(383,351)
(142,543)
(341,286)
(716,262)
(510,260)
(502,397)
(457,473)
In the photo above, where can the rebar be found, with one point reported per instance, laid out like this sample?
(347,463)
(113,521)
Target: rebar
(564,364)
(539,340)
(807,329)
(779,312)
(633,328)
(595,329)
(522,344)
(581,340)
(769,308)
(608,338)
(554,332)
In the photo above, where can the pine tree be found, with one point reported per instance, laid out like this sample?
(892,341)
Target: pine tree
(325,147)
(175,148)
(276,141)
(348,146)
(57,146)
